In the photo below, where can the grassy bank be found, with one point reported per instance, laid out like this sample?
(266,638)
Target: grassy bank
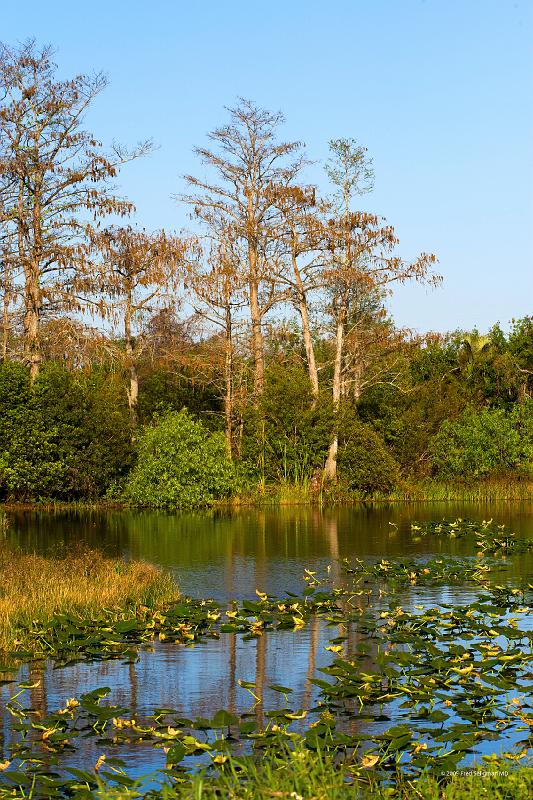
(291,494)
(34,588)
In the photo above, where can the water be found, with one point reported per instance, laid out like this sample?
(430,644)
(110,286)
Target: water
(230,555)
(225,556)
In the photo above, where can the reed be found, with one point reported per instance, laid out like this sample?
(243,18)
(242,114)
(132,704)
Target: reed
(286,493)
(83,582)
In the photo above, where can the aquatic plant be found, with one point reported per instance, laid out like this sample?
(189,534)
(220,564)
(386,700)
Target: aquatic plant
(445,681)
(448,677)
(489,536)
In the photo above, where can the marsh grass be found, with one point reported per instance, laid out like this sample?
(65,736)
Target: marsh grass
(286,493)
(310,776)
(467,491)
(82,582)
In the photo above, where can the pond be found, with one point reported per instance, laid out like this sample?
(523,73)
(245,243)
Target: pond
(228,555)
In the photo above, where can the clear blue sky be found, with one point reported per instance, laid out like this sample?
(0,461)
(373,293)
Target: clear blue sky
(440,91)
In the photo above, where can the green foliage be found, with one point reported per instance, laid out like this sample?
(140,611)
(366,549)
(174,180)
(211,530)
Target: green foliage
(486,442)
(14,386)
(286,437)
(365,464)
(437,359)
(30,460)
(180,465)
(67,437)
(459,410)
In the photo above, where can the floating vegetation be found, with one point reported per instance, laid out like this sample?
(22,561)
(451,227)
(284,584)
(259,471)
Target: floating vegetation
(434,571)
(450,678)
(488,536)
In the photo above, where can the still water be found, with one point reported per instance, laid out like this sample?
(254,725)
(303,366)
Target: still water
(230,555)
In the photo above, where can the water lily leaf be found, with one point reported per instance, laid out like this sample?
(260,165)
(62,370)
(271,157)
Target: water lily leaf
(126,626)
(82,775)
(176,753)
(223,719)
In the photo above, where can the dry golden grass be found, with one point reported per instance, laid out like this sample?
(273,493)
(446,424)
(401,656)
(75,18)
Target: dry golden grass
(33,587)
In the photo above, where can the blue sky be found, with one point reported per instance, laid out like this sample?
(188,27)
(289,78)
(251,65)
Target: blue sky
(440,91)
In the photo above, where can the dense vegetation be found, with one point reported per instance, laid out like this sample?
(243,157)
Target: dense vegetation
(82,582)
(453,415)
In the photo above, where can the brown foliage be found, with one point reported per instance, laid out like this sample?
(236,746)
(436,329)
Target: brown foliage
(55,180)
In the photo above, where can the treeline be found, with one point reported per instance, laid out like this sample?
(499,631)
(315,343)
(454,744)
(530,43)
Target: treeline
(456,408)
(266,320)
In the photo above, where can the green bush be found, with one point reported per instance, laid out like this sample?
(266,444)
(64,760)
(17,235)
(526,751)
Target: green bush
(31,466)
(67,437)
(180,465)
(364,463)
(286,437)
(483,443)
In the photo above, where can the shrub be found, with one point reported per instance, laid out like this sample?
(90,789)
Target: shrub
(364,462)
(30,462)
(180,465)
(286,437)
(486,442)
(66,437)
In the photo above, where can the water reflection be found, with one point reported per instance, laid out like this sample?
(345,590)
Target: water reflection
(196,681)
(230,554)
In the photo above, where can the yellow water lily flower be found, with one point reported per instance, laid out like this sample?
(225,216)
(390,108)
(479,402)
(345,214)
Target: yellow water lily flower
(464,670)
(99,763)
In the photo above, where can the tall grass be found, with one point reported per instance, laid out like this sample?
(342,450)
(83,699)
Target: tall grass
(84,582)
(487,489)
(301,774)
(301,493)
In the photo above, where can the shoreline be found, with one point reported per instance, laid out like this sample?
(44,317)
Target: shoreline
(286,496)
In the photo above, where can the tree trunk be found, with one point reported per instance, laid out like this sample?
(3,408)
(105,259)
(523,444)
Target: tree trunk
(5,311)
(330,468)
(306,330)
(32,287)
(228,370)
(258,348)
(32,319)
(133,391)
(257,341)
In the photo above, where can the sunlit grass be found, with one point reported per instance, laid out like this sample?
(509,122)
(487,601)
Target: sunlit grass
(84,582)
(302,774)
(289,494)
